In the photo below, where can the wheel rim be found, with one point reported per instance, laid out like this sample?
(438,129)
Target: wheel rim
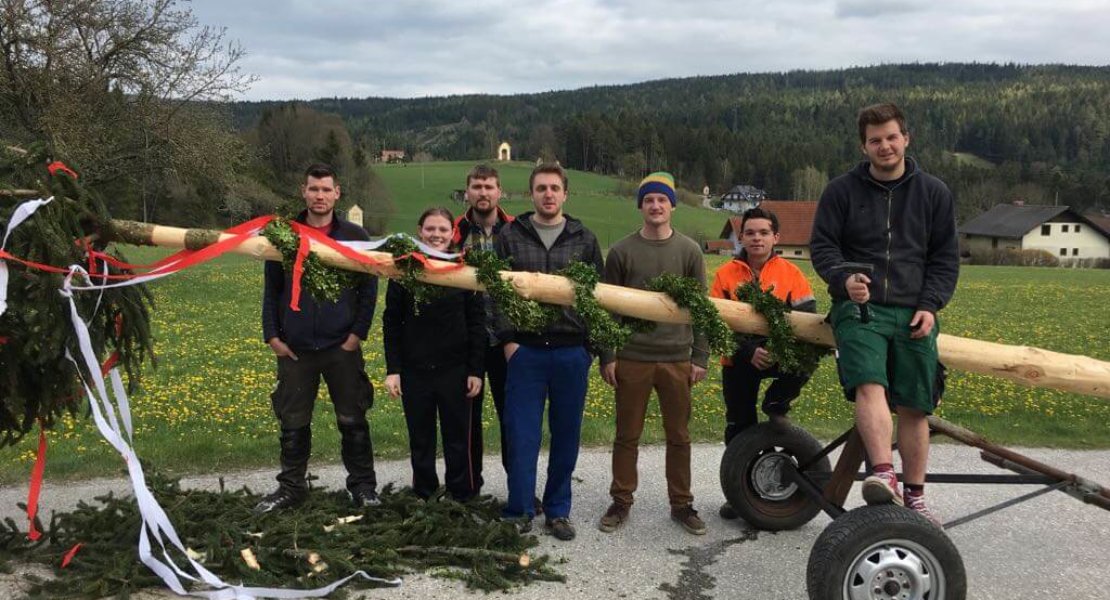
(767,476)
(894,570)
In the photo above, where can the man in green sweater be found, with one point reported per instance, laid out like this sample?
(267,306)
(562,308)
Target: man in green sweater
(668,359)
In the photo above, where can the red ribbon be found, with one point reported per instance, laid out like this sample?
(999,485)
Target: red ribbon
(5,255)
(308,233)
(60,167)
(298,266)
(184,258)
(69,555)
(35,487)
(429,266)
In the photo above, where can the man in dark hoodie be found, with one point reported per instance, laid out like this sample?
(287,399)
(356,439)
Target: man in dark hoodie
(322,339)
(889,214)
(550,367)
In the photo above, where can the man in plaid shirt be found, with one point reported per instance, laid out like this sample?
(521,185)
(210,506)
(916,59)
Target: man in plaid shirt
(550,367)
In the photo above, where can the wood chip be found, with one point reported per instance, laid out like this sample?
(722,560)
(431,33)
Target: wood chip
(248,557)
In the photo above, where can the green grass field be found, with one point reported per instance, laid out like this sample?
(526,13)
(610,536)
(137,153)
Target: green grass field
(592,198)
(205,407)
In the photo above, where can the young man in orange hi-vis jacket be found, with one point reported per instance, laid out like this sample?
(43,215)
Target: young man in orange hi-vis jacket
(742,373)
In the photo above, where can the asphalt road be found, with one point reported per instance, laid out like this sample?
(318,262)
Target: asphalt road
(1050,547)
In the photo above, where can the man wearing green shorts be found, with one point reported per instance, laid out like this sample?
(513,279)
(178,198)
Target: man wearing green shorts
(889,214)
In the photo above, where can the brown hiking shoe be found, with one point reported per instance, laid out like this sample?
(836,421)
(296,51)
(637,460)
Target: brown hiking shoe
(613,518)
(689,519)
(561,528)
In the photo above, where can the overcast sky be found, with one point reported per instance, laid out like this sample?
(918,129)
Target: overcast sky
(401,48)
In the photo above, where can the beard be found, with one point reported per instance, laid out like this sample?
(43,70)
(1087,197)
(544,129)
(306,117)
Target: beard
(485,212)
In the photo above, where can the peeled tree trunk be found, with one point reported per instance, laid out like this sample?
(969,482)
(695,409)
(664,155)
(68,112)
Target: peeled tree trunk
(1026,365)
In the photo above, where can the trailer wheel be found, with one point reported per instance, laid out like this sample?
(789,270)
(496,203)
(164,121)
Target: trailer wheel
(753,477)
(884,553)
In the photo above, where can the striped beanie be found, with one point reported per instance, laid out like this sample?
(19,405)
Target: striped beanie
(659,182)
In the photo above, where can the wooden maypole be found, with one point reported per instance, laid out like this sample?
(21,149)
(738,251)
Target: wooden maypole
(1026,365)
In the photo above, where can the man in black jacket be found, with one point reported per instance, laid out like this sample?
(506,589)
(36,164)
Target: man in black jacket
(889,214)
(322,339)
(547,367)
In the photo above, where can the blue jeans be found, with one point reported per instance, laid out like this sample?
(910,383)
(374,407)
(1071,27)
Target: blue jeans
(536,374)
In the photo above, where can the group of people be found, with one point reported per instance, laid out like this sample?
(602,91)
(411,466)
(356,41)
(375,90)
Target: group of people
(443,355)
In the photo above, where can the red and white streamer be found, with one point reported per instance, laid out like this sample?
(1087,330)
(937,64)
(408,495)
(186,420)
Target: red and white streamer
(156,523)
(112,414)
(19,215)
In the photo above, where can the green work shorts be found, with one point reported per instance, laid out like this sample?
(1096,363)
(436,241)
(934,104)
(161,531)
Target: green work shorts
(881,351)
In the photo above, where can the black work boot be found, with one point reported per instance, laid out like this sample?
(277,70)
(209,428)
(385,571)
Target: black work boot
(296,445)
(358,457)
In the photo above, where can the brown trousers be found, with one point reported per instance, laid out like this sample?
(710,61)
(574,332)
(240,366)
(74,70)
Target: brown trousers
(635,381)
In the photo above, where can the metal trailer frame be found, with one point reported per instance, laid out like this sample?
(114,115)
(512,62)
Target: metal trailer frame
(830,493)
(781,478)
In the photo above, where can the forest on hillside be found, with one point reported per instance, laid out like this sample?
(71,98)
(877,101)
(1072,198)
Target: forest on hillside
(995,133)
(150,125)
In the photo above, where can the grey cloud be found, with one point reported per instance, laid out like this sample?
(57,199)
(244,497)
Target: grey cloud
(432,47)
(869,9)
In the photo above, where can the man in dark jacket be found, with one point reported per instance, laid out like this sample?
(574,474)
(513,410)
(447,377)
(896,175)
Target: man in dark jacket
(889,214)
(322,339)
(477,229)
(551,366)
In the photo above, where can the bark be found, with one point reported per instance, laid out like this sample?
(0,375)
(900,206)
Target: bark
(1026,365)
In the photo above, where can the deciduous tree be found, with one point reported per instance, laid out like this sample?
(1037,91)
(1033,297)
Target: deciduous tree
(124,90)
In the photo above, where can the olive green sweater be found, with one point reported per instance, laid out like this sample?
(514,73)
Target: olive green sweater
(635,260)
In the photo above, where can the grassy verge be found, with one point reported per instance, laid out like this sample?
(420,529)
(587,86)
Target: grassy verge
(206,406)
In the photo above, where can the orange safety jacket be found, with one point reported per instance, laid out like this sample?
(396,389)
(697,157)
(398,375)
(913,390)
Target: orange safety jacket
(789,283)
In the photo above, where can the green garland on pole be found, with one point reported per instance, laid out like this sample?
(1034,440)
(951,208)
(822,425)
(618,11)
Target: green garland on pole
(322,282)
(689,293)
(604,332)
(792,355)
(524,314)
(402,247)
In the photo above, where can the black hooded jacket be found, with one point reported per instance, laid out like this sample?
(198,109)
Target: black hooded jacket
(319,325)
(905,228)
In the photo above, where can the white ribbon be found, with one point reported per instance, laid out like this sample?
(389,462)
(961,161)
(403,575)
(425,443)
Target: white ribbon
(19,215)
(107,416)
(426,249)
(166,269)
(155,523)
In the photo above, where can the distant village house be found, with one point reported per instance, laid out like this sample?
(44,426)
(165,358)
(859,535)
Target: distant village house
(389,156)
(724,247)
(1059,230)
(795,227)
(741,198)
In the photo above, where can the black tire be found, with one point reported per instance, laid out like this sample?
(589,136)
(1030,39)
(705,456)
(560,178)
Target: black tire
(884,552)
(749,476)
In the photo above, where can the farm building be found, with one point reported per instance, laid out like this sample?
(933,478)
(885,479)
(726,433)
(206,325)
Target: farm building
(1059,230)
(795,227)
(1100,218)
(719,247)
(392,155)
